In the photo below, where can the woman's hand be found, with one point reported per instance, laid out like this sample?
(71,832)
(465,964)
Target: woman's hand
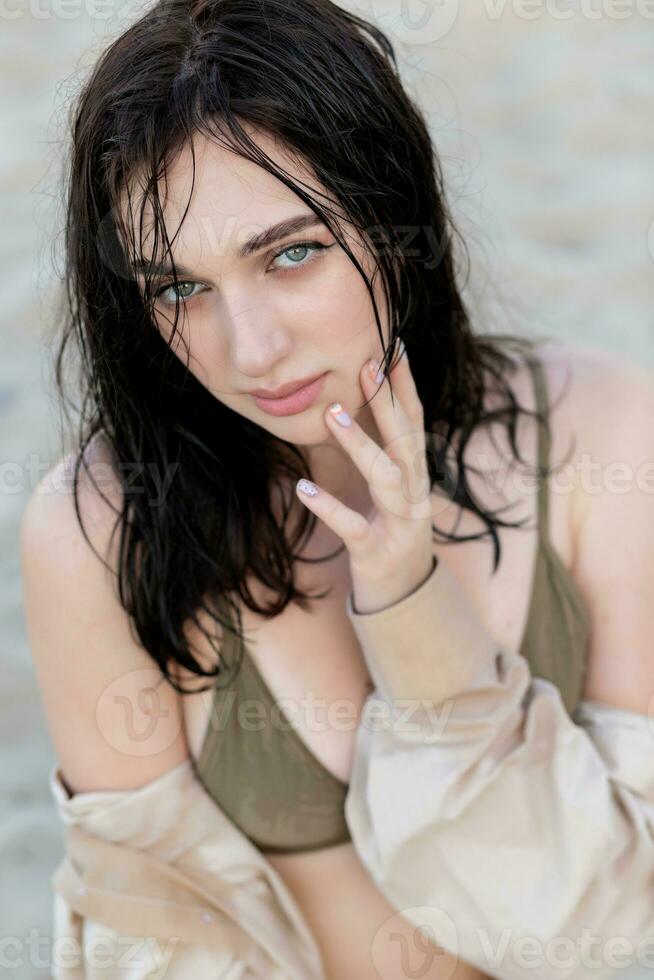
(391,554)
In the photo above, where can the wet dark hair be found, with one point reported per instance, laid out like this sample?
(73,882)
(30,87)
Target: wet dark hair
(326,83)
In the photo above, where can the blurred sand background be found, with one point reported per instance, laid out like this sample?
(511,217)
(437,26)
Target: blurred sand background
(543,118)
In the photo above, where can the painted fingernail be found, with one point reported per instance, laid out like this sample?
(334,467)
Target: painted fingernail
(340,414)
(307,487)
(376,372)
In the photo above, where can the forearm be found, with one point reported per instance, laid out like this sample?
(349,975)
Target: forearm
(481,801)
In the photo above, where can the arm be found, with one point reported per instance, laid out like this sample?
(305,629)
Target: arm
(489,815)
(160,882)
(126,895)
(148,853)
(490,804)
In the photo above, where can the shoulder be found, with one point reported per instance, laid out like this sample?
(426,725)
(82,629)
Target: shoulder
(594,376)
(50,515)
(607,410)
(610,413)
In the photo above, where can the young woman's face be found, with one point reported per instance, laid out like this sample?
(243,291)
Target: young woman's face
(292,308)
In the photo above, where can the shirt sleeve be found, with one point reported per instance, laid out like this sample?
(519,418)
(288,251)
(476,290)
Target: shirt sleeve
(157,882)
(512,835)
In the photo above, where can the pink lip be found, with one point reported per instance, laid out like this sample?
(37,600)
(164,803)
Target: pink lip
(284,390)
(292,404)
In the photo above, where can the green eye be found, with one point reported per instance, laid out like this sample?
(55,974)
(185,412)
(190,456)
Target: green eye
(311,248)
(176,286)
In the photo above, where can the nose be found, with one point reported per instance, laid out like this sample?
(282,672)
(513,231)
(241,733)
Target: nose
(258,341)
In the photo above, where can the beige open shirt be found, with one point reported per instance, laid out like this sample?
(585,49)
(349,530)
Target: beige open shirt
(507,831)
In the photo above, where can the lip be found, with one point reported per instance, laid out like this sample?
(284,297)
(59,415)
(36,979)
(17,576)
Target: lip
(294,403)
(287,389)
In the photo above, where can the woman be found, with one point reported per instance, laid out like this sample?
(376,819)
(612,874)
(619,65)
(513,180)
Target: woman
(252,190)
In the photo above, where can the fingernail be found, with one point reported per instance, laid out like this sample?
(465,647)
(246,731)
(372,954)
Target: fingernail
(376,372)
(307,487)
(340,414)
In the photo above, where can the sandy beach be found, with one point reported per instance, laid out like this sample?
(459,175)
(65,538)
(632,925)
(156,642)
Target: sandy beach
(544,126)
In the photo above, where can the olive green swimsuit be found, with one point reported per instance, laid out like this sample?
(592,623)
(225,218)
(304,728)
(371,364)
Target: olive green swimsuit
(268,782)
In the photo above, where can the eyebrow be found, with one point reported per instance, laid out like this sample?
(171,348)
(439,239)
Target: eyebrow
(275,233)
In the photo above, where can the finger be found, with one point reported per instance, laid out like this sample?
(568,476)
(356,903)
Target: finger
(405,391)
(399,415)
(378,470)
(401,425)
(348,524)
(383,476)
(390,414)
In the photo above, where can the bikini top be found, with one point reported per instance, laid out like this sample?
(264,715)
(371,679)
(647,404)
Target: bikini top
(263,775)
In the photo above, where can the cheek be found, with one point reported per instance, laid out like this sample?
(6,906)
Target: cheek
(165,321)
(355,331)
(208,359)
(199,344)
(343,310)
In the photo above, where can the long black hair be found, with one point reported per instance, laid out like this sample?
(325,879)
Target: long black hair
(326,83)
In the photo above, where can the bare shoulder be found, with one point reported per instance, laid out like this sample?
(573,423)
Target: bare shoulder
(610,407)
(50,516)
(595,375)
(573,375)
(607,402)
(100,688)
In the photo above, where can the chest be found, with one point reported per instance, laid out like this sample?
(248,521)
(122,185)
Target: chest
(311,660)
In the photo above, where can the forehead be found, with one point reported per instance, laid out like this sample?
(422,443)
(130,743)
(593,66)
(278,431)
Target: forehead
(221,197)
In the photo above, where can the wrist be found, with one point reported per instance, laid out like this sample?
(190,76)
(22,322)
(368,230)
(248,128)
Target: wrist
(364,604)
